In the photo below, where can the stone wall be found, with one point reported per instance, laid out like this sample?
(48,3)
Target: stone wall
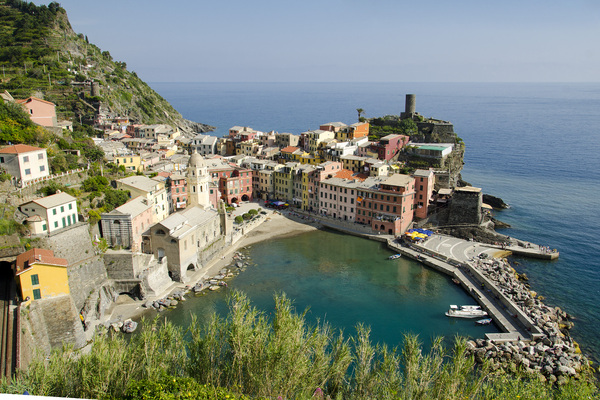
(72,243)
(156,278)
(49,324)
(120,264)
(85,279)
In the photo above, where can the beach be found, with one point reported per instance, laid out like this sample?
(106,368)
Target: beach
(272,225)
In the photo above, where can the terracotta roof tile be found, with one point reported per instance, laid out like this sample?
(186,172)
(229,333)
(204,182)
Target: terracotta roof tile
(18,149)
(38,256)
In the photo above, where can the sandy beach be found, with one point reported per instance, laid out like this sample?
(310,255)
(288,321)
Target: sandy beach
(274,225)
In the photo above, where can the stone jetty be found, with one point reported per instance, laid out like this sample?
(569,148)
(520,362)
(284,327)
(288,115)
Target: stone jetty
(535,336)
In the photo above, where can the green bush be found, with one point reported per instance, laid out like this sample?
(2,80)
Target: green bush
(176,388)
(253,212)
(239,219)
(246,216)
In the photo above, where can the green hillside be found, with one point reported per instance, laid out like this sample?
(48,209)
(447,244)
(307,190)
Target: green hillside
(41,55)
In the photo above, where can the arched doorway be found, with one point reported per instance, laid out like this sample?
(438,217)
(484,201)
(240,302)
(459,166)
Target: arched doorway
(390,231)
(245,197)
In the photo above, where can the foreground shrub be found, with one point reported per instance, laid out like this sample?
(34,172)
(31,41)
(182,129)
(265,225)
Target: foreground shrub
(176,388)
(274,356)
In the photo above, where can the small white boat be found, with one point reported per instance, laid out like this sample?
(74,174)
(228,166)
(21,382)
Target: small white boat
(485,321)
(457,312)
(469,307)
(394,257)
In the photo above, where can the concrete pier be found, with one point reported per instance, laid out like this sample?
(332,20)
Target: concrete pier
(455,260)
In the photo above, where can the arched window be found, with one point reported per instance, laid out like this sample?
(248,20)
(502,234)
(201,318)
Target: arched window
(160,232)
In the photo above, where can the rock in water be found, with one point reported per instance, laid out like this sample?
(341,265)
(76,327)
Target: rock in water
(495,202)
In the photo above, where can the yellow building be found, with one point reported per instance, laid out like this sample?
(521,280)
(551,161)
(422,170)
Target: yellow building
(131,162)
(40,275)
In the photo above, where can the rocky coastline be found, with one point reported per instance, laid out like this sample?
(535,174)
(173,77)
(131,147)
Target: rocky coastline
(556,357)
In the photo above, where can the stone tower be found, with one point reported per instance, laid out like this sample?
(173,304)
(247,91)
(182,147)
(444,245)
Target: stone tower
(95,89)
(409,107)
(197,182)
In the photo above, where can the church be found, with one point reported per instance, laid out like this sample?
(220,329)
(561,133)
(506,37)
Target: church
(187,239)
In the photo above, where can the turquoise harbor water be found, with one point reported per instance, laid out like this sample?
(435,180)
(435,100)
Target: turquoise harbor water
(345,280)
(535,145)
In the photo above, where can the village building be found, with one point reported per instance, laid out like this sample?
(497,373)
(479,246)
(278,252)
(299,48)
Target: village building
(204,145)
(337,198)
(25,163)
(286,139)
(51,213)
(152,190)
(354,131)
(234,182)
(40,275)
(387,204)
(389,146)
(124,226)
(334,127)
(424,186)
(130,162)
(283,182)
(181,237)
(177,187)
(40,111)
(315,138)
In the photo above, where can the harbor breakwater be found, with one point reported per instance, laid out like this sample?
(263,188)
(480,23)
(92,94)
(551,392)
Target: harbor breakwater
(535,336)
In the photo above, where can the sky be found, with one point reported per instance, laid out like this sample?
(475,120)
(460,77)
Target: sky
(346,40)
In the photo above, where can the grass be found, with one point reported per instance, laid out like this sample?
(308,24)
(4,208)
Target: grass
(249,355)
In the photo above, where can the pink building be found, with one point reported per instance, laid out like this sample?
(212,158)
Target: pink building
(338,198)
(233,183)
(314,178)
(40,111)
(389,146)
(177,185)
(424,183)
(387,204)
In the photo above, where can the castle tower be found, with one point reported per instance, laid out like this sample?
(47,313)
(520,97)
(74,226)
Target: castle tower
(95,89)
(197,182)
(409,107)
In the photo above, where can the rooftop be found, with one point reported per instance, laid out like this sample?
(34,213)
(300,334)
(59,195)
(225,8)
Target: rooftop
(38,256)
(54,200)
(19,149)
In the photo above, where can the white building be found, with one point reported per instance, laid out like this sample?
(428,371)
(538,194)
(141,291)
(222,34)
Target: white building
(56,212)
(25,163)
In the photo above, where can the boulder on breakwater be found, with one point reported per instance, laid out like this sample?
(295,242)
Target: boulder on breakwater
(556,356)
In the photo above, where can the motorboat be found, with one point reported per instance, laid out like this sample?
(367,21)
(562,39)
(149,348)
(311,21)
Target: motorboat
(394,257)
(485,321)
(460,312)
(470,307)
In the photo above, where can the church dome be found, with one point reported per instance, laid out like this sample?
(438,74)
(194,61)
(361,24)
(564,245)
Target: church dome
(196,161)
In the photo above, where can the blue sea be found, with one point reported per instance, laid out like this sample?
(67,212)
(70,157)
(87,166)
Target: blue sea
(535,145)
